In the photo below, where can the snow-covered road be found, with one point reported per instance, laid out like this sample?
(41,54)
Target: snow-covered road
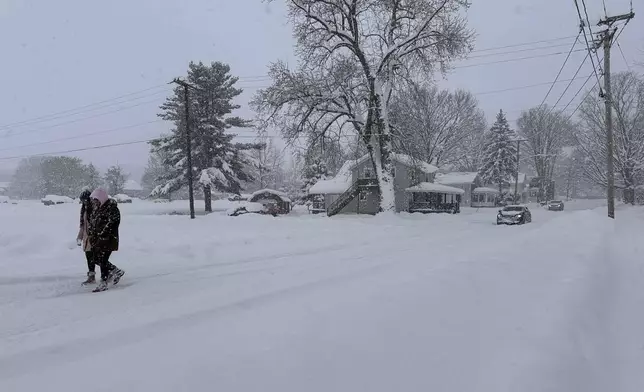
(308,303)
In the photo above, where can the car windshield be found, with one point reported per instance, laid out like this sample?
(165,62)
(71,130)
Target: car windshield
(556,202)
(513,208)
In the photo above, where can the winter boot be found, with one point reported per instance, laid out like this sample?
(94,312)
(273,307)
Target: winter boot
(91,278)
(102,286)
(115,275)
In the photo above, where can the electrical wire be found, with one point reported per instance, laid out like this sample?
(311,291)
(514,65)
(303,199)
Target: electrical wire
(560,70)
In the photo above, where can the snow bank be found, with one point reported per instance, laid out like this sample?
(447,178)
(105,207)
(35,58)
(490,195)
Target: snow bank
(357,303)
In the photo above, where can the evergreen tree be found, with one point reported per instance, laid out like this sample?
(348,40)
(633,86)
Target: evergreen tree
(499,162)
(92,177)
(219,163)
(63,176)
(27,181)
(315,169)
(115,179)
(154,172)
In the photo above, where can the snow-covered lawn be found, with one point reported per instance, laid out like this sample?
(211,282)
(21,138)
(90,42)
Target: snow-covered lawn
(310,303)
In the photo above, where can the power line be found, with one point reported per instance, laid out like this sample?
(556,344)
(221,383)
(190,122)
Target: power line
(590,30)
(523,44)
(48,116)
(82,136)
(518,51)
(517,59)
(527,86)
(561,69)
(81,119)
(570,83)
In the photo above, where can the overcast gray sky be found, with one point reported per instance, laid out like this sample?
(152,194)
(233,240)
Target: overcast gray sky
(64,54)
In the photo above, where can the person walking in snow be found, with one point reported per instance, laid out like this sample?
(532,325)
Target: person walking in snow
(82,238)
(104,236)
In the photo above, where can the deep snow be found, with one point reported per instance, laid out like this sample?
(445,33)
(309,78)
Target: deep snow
(309,303)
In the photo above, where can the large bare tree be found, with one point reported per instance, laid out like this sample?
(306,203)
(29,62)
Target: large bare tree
(436,125)
(353,54)
(546,132)
(628,134)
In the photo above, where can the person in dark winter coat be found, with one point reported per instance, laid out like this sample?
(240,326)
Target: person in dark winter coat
(83,239)
(104,236)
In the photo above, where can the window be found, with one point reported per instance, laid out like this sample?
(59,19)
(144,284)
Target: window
(367,172)
(363,196)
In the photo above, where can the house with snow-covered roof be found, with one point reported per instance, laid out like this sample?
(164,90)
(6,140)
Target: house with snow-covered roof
(467,181)
(132,188)
(355,188)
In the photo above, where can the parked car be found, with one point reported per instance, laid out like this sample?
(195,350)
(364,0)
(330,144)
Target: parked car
(123,198)
(555,205)
(514,215)
(51,200)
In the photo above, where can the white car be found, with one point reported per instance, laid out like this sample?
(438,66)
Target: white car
(514,215)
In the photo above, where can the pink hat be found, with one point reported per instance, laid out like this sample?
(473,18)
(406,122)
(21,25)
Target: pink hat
(100,194)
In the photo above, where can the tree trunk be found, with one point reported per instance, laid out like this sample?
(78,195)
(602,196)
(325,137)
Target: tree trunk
(382,152)
(207,198)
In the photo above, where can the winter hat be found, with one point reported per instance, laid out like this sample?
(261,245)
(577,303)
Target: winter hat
(85,195)
(100,194)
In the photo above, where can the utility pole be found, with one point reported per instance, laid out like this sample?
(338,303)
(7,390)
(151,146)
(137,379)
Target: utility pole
(186,98)
(516,182)
(606,38)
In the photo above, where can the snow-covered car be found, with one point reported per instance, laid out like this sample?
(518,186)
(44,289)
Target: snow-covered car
(7,200)
(122,198)
(555,205)
(514,215)
(51,200)
(249,208)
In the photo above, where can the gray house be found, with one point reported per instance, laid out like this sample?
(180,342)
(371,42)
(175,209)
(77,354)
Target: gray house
(355,188)
(467,181)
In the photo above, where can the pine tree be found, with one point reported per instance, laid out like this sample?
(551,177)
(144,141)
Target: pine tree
(315,169)
(92,177)
(218,162)
(499,153)
(115,179)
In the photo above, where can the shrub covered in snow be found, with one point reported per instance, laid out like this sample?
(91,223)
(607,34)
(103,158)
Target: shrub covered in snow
(246,208)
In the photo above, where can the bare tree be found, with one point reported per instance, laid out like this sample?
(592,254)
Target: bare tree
(628,130)
(268,164)
(353,55)
(546,132)
(435,125)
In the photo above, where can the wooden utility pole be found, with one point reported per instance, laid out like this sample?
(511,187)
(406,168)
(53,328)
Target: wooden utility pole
(186,104)
(606,39)
(516,182)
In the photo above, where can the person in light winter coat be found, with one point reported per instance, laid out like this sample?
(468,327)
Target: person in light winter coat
(83,239)
(103,234)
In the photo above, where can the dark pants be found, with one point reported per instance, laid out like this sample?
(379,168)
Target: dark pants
(91,266)
(102,259)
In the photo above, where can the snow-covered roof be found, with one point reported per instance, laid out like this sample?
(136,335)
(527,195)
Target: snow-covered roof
(405,160)
(436,188)
(338,184)
(485,189)
(131,185)
(281,195)
(456,178)
(512,179)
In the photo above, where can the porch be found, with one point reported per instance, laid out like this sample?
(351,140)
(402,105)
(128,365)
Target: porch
(428,197)
(485,197)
